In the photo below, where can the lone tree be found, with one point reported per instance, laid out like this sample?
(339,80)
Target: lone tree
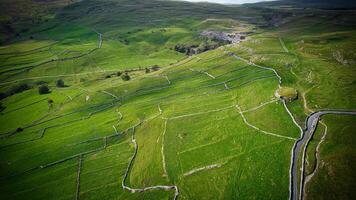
(43,89)
(19,129)
(50,103)
(147,70)
(118,73)
(155,67)
(60,83)
(125,77)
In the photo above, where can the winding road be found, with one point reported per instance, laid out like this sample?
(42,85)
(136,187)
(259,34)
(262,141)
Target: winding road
(310,127)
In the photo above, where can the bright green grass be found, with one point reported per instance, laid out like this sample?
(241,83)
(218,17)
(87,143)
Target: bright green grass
(187,109)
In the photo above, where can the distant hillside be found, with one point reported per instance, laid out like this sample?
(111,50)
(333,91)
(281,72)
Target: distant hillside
(17,16)
(329,3)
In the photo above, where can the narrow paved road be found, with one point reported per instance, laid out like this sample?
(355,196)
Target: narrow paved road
(308,132)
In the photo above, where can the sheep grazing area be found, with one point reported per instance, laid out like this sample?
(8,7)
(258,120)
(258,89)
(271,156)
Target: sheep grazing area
(98,102)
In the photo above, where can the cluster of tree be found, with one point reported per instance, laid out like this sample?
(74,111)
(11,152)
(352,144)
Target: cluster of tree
(42,88)
(125,74)
(186,49)
(196,49)
(125,77)
(14,90)
(119,73)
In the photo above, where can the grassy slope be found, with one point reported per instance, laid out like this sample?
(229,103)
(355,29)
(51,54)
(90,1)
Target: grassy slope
(335,174)
(248,159)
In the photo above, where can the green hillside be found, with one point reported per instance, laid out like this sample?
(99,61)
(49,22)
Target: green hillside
(142,105)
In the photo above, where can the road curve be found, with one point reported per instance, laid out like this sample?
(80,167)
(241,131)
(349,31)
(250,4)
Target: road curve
(310,127)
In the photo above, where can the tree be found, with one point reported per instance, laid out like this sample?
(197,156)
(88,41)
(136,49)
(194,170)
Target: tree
(155,68)
(119,73)
(43,89)
(50,103)
(125,77)
(14,90)
(147,70)
(19,129)
(60,83)
(18,89)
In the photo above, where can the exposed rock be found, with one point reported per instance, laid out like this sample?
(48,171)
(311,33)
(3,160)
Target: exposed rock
(287,93)
(231,38)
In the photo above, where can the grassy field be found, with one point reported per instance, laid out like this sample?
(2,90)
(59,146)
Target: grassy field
(337,162)
(209,124)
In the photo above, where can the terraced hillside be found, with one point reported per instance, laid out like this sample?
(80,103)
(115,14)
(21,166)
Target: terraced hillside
(128,115)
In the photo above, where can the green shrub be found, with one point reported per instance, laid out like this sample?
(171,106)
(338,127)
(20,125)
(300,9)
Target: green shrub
(19,129)
(43,89)
(155,68)
(125,77)
(60,83)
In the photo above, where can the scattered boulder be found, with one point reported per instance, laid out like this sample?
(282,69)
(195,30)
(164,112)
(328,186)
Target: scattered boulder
(230,38)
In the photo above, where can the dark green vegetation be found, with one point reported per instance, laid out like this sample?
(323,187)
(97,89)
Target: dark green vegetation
(206,122)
